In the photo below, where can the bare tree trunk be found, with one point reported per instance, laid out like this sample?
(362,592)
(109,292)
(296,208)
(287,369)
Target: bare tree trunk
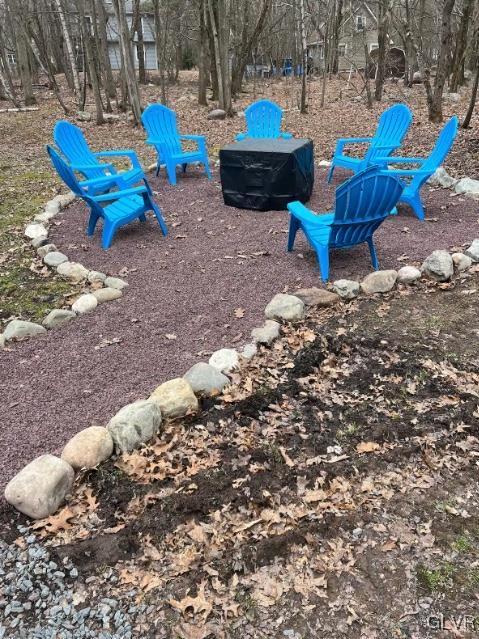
(461,44)
(160,37)
(84,25)
(338,17)
(129,70)
(137,27)
(203,64)
(69,48)
(383,45)
(467,120)
(435,107)
(304,51)
(217,53)
(108,80)
(23,52)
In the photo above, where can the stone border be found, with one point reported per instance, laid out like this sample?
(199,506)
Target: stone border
(103,288)
(135,424)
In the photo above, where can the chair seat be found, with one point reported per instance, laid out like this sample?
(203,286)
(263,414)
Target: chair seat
(187,157)
(127,207)
(320,230)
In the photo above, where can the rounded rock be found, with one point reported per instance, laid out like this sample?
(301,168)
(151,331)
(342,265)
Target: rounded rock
(408,275)
(461,261)
(317,296)
(439,266)
(285,307)
(175,398)
(379,282)
(20,329)
(88,448)
(45,248)
(473,251)
(35,230)
(347,289)
(84,304)
(267,333)
(224,360)
(115,282)
(135,424)
(205,379)
(55,258)
(58,317)
(96,276)
(107,294)
(73,271)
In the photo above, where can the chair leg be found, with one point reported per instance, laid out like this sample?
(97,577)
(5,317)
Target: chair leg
(183,167)
(142,217)
(171,172)
(293,229)
(323,257)
(330,172)
(158,167)
(207,169)
(92,223)
(157,211)
(417,207)
(109,231)
(374,257)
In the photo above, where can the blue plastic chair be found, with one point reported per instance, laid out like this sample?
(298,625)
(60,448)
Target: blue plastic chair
(162,130)
(427,166)
(392,127)
(71,142)
(362,203)
(263,120)
(122,206)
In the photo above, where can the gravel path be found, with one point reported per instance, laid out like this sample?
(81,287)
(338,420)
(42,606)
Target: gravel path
(215,260)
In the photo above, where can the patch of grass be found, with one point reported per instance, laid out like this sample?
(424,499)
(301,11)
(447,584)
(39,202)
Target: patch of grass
(437,579)
(349,431)
(463,544)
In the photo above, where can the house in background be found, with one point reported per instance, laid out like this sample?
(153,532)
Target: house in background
(149,43)
(359,28)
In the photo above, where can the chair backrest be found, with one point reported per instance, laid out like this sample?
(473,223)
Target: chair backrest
(362,203)
(65,172)
(392,127)
(71,142)
(263,119)
(160,124)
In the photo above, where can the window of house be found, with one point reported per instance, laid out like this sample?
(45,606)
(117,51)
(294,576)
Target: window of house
(360,23)
(342,50)
(11,58)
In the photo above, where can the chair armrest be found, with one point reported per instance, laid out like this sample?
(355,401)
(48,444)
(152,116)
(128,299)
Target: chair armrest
(125,152)
(301,212)
(341,143)
(396,160)
(89,167)
(116,195)
(195,138)
(153,142)
(286,135)
(98,181)
(406,172)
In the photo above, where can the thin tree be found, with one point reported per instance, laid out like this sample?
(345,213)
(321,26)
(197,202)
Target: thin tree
(23,51)
(90,60)
(203,55)
(128,67)
(69,47)
(457,78)
(384,7)
(304,55)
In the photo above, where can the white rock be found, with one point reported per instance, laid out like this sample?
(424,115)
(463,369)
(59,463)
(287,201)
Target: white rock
(41,487)
(20,329)
(135,424)
(347,289)
(379,282)
(96,276)
(249,350)
(58,317)
(473,251)
(46,248)
(205,379)
(285,307)
(52,207)
(461,262)
(39,241)
(224,360)
(35,230)
(55,258)
(408,274)
(439,266)
(324,163)
(442,178)
(46,216)
(468,186)
(267,333)
(175,398)
(115,282)
(84,304)
(88,448)
(111,117)
(3,341)
(216,114)
(64,199)
(453,97)
(107,294)
(72,271)
(84,116)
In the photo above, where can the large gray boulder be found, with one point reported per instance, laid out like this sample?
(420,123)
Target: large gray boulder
(72,271)
(58,317)
(438,266)
(54,258)
(88,448)
(40,488)
(135,424)
(205,379)
(467,186)
(379,282)
(35,230)
(285,307)
(20,329)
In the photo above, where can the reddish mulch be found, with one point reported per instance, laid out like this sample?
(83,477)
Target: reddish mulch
(215,260)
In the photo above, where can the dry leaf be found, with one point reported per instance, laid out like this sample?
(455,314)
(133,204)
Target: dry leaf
(367,447)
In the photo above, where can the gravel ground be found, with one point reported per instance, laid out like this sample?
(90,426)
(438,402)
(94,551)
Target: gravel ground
(181,301)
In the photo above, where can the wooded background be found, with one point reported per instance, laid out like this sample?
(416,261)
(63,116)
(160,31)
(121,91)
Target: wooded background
(67,45)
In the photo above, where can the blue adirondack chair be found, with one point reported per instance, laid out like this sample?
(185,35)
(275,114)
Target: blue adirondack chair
(392,127)
(263,120)
(121,207)
(71,142)
(162,130)
(362,203)
(426,167)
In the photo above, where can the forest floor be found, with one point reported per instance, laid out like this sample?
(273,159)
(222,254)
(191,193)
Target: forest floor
(332,492)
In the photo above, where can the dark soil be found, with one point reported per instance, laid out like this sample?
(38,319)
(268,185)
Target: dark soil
(216,259)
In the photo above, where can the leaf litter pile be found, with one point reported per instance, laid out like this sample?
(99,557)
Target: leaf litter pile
(331,491)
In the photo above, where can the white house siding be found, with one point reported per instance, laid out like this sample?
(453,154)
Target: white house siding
(150,56)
